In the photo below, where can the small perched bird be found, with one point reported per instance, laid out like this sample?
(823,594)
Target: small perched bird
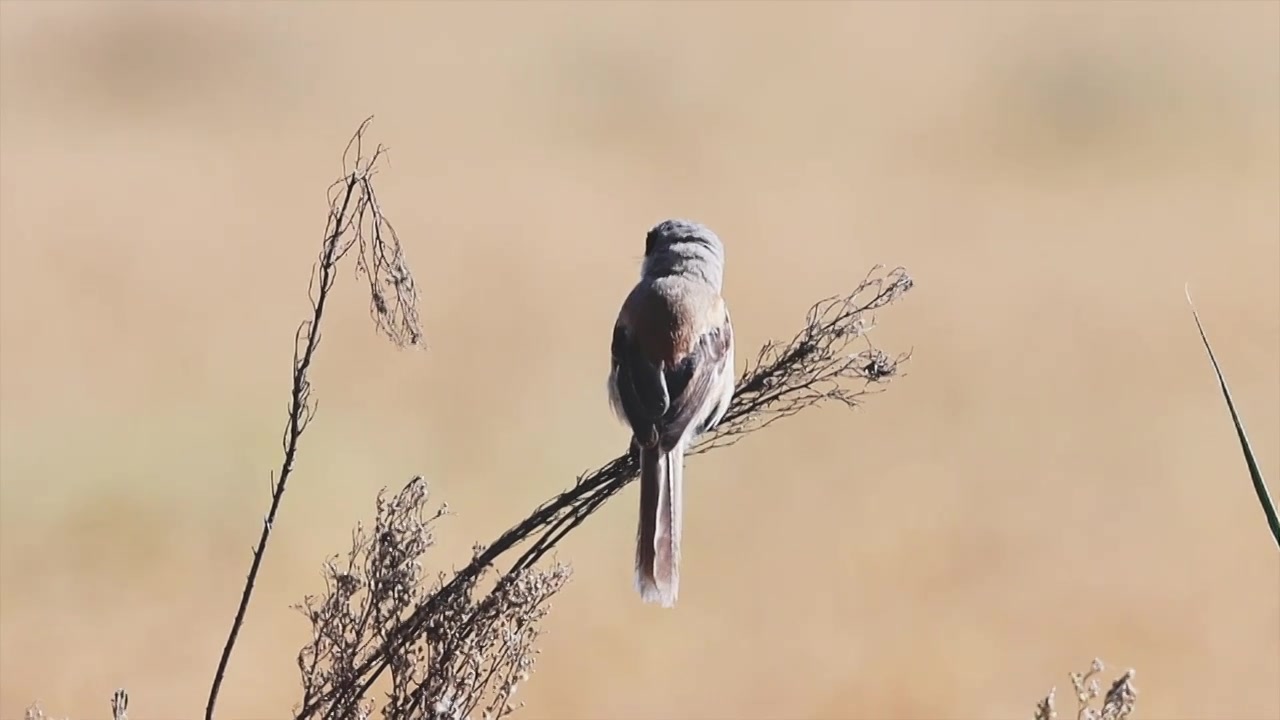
(671,379)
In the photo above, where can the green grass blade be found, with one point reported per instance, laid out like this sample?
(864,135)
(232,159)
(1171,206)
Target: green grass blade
(1259,485)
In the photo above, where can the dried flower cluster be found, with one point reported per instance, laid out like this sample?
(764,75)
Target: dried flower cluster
(471,656)
(1117,704)
(816,366)
(356,220)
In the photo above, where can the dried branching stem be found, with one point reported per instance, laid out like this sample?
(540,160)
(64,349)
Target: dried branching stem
(355,220)
(476,652)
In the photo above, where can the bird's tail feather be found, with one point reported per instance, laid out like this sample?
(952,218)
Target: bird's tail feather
(658,539)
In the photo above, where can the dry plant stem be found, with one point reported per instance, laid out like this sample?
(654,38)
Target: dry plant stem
(814,367)
(355,220)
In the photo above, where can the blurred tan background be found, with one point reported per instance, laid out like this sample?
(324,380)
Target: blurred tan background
(1054,479)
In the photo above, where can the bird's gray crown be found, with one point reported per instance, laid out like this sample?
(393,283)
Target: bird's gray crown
(677,232)
(676,246)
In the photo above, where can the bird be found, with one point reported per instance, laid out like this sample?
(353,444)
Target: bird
(671,379)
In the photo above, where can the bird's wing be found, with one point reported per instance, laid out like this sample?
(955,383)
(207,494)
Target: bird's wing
(639,386)
(696,384)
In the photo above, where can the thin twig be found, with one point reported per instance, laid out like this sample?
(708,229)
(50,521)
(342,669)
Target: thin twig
(350,208)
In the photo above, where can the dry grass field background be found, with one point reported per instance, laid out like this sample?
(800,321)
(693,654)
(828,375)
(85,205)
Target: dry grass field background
(1055,477)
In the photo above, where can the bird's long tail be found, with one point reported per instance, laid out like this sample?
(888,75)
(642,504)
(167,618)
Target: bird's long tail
(658,539)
